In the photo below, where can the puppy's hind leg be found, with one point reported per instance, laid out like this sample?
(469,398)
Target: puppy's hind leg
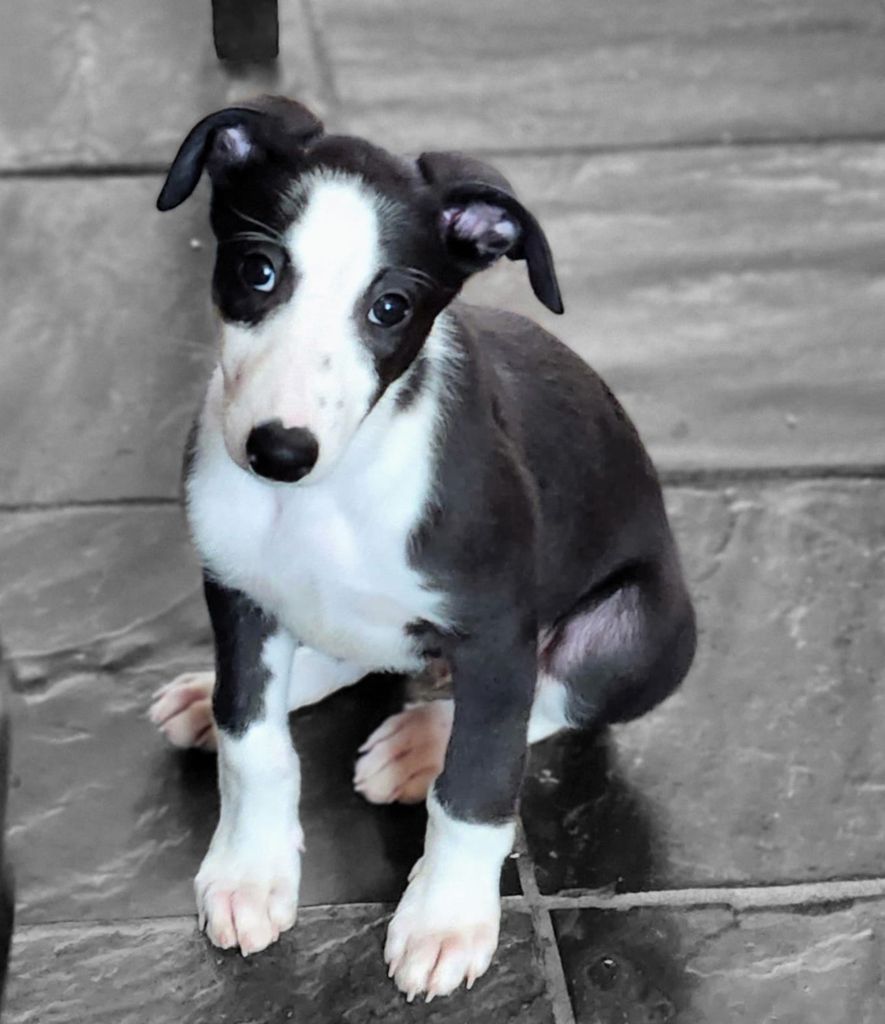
(182,711)
(625,647)
(402,757)
(622,650)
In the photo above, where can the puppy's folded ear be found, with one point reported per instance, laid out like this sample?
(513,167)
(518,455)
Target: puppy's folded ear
(481,219)
(233,137)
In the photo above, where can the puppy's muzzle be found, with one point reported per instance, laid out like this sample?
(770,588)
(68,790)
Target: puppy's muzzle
(285,454)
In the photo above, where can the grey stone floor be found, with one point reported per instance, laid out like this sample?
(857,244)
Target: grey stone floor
(712,177)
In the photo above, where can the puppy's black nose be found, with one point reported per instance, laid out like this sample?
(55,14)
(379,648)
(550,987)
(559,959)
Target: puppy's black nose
(281,453)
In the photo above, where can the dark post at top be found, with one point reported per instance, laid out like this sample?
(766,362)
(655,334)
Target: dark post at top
(247,30)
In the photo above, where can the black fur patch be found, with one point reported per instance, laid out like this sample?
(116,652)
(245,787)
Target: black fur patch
(190,453)
(241,629)
(413,384)
(547,499)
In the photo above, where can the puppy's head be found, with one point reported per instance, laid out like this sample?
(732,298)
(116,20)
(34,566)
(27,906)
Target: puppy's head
(333,260)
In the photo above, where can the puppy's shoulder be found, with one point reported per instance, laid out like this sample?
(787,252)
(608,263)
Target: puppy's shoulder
(535,373)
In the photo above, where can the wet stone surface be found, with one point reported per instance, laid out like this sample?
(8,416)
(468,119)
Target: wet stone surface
(767,765)
(665,966)
(328,968)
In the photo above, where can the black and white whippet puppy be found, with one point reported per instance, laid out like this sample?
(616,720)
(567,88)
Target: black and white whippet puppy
(380,476)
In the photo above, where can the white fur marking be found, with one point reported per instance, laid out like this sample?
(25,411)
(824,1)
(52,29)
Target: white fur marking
(330,560)
(334,249)
(247,885)
(548,710)
(315,676)
(445,929)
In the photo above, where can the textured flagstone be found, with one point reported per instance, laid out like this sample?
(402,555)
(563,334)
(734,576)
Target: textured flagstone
(94,84)
(767,765)
(532,76)
(329,968)
(713,965)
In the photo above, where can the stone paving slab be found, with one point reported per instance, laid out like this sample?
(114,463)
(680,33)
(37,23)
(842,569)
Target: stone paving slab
(100,589)
(329,968)
(511,74)
(767,765)
(121,82)
(106,342)
(93,83)
(732,298)
(713,966)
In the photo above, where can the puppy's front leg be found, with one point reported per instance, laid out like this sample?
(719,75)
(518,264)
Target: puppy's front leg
(247,885)
(445,929)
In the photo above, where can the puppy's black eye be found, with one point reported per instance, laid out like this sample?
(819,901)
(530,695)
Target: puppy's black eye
(392,308)
(258,272)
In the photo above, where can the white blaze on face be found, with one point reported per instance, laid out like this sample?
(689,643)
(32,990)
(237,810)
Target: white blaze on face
(306,364)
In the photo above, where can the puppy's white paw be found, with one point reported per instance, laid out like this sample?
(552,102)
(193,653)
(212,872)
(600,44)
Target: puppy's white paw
(245,902)
(444,932)
(403,756)
(182,710)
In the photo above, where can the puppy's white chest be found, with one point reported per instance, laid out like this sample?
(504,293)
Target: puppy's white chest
(329,561)
(341,581)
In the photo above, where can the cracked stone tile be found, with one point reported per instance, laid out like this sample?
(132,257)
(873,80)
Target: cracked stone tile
(121,83)
(767,765)
(732,299)
(508,74)
(704,965)
(329,968)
